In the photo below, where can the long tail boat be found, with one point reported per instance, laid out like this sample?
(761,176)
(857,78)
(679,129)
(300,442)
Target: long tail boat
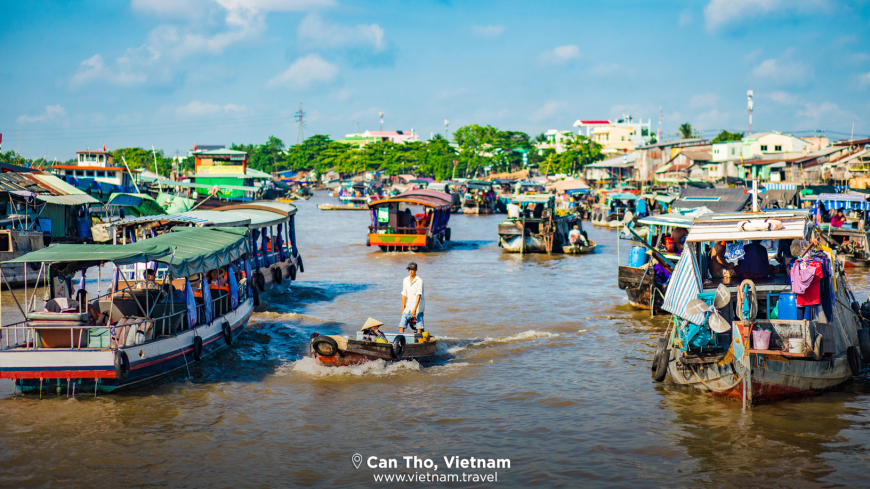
(137,332)
(708,345)
(396,229)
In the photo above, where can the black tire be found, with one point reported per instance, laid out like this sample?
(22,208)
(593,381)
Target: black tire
(260,280)
(122,365)
(324,346)
(197,348)
(662,365)
(856,307)
(34,265)
(399,347)
(292,272)
(661,346)
(864,343)
(447,234)
(299,261)
(276,275)
(228,332)
(256,294)
(854,358)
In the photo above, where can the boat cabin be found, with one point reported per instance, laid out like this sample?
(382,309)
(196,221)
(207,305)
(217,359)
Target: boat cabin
(537,229)
(413,220)
(850,238)
(98,166)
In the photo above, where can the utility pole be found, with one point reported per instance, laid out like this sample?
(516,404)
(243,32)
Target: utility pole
(382,120)
(447,129)
(300,124)
(749,96)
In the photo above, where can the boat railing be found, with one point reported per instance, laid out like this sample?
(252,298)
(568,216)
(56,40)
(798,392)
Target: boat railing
(397,230)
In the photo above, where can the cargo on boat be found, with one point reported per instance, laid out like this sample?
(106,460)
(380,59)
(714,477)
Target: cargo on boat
(537,229)
(396,228)
(611,213)
(763,329)
(138,331)
(479,198)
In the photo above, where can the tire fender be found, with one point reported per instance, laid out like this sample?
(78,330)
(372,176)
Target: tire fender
(299,261)
(256,295)
(399,347)
(197,348)
(661,346)
(122,365)
(854,358)
(228,332)
(662,365)
(292,272)
(324,346)
(260,280)
(276,275)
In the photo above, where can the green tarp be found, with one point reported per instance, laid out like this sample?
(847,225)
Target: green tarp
(197,250)
(173,204)
(136,205)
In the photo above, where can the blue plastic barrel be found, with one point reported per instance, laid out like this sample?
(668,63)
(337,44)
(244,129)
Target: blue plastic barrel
(786,307)
(638,257)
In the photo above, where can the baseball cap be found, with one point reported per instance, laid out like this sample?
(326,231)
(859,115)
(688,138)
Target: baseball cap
(412,266)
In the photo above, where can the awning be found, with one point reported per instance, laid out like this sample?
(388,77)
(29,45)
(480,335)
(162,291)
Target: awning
(723,227)
(674,219)
(667,199)
(80,199)
(206,186)
(57,184)
(196,218)
(120,254)
(259,219)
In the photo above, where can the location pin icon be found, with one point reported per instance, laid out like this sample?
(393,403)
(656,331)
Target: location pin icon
(357,459)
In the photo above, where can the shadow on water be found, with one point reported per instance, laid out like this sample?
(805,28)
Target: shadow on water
(469,244)
(302,294)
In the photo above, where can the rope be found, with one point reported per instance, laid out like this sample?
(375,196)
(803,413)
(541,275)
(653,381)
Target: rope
(739,380)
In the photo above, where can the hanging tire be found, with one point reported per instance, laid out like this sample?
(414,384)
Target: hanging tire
(228,332)
(864,343)
(197,348)
(260,280)
(292,272)
(256,294)
(299,261)
(854,358)
(662,365)
(122,365)
(276,275)
(447,234)
(399,347)
(324,346)
(856,307)
(661,346)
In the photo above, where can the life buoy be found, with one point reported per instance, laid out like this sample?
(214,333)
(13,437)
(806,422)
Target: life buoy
(122,365)
(197,348)
(292,272)
(228,332)
(324,346)
(276,275)
(854,358)
(399,347)
(256,293)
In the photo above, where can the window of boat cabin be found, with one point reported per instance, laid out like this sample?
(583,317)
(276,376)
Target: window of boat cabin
(80,173)
(70,173)
(5,242)
(101,174)
(89,173)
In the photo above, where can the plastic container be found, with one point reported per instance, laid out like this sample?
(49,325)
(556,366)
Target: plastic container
(795,345)
(669,243)
(637,257)
(786,307)
(760,339)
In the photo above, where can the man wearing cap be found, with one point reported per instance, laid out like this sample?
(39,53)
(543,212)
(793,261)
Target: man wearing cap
(413,302)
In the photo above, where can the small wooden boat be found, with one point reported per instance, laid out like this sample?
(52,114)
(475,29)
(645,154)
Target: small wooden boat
(538,231)
(338,351)
(579,249)
(396,229)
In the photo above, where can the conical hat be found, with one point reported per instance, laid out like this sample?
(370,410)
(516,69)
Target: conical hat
(370,322)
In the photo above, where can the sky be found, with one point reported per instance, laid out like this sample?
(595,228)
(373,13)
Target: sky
(174,73)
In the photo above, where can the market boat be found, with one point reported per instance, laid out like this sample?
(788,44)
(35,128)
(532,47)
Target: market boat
(275,255)
(479,198)
(339,351)
(353,196)
(454,189)
(637,278)
(395,229)
(707,345)
(535,231)
(130,335)
(850,240)
(611,213)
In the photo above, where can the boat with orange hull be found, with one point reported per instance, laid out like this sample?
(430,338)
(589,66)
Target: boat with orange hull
(395,228)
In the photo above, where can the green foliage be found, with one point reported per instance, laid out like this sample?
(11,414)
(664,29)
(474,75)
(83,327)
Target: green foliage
(144,159)
(728,136)
(686,131)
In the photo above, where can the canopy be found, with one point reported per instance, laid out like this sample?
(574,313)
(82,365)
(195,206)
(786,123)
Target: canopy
(478,184)
(622,196)
(145,250)
(674,219)
(575,184)
(428,198)
(716,199)
(527,199)
(723,227)
(196,218)
(264,205)
(136,204)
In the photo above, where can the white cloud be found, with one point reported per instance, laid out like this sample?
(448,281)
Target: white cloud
(488,30)
(197,109)
(549,110)
(561,55)
(704,100)
(784,98)
(783,71)
(685,19)
(752,55)
(52,112)
(864,80)
(343,94)
(721,13)
(94,69)
(813,110)
(604,69)
(315,32)
(305,71)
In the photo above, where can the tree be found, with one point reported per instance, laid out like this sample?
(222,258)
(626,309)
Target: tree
(686,131)
(728,136)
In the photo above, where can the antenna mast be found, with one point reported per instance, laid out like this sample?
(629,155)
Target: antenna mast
(382,120)
(749,96)
(300,124)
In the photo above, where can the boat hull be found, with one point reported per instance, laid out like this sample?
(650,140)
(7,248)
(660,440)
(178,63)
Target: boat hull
(346,207)
(353,352)
(638,286)
(516,244)
(95,369)
(579,250)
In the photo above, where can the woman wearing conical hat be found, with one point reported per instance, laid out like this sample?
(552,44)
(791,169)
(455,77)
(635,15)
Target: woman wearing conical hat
(371,331)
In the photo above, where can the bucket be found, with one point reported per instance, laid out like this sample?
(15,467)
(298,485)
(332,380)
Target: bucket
(786,307)
(669,243)
(637,257)
(760,339)
(795,345)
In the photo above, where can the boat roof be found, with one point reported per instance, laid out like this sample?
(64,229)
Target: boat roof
(172,183)
(715,199)
(425,197)
(258,218)
(674,219)
(534,198)
(187,251)
(478,184)
(622,196)
(282,208)
(723,227)
(197,218)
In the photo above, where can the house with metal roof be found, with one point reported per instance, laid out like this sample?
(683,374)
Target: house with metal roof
(43,202)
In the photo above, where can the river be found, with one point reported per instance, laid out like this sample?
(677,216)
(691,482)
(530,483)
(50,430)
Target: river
(542,362)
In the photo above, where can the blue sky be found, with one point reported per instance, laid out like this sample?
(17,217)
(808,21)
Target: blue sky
(171,73)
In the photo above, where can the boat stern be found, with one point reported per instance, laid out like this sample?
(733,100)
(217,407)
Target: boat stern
(43,364)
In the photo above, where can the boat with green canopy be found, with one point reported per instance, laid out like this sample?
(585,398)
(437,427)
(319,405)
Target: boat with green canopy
(137,331)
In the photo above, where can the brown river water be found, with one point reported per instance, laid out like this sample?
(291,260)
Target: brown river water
(542,362)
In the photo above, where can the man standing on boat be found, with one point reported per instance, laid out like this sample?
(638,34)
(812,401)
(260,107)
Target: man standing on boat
(413,302)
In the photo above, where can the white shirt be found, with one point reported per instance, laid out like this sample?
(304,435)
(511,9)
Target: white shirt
(411,291)
(573,235)
(513,211)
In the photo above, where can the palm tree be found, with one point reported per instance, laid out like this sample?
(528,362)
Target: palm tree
(686,130)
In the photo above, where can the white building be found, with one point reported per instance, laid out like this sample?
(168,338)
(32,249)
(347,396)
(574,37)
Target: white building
(727,151)
(766,143)
(621,136)
(557,140)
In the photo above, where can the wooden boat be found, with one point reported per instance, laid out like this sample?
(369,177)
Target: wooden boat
(579,249)
(275,258)
(538,231)
(127,337)
(339,351)
(851,240)
(393,229)
(823,353)
(479,198)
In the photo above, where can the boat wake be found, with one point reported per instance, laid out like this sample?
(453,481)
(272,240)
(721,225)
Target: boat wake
(453,346)
(379,368)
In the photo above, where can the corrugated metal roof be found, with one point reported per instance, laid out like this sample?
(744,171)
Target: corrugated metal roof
(10,182)
(67,199)
(57,184)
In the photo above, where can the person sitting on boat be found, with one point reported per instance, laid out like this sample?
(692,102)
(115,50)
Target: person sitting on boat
(150,282)
(222,278)
(576,237)
(211,277)
(413,302)
(678,235)
(839,219)
(719,267)
(755,262)
(371,331)
(513,211)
